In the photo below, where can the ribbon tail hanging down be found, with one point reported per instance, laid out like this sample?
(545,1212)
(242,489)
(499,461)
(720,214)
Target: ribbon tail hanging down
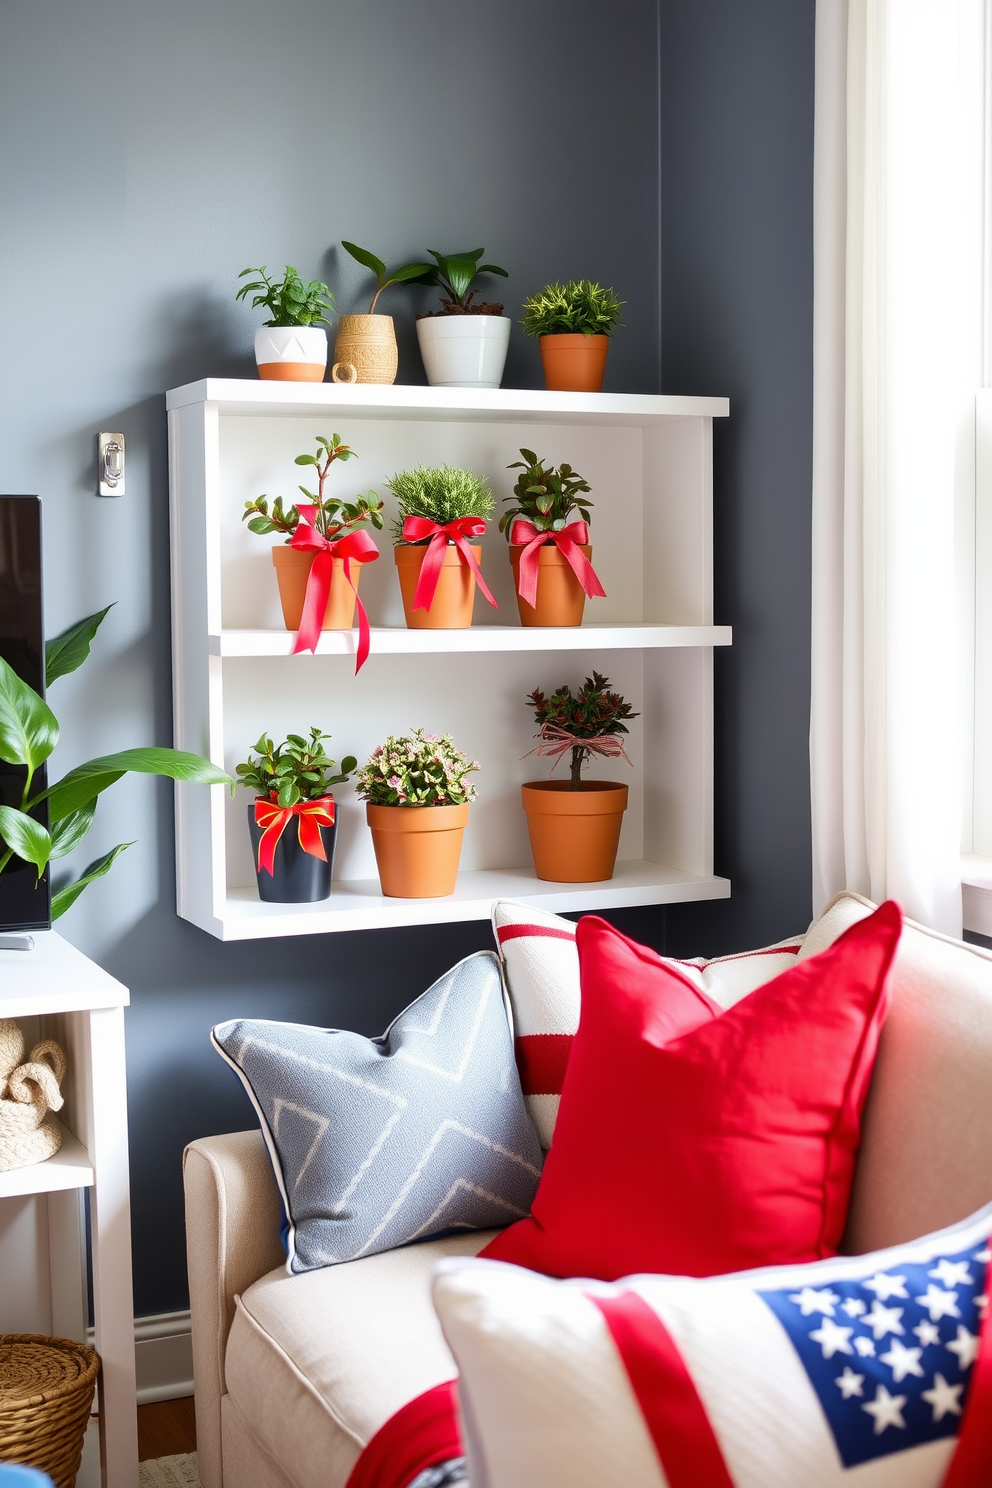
(569,543)
(356,545)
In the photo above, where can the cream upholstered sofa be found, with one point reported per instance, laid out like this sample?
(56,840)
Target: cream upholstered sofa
(294,1374)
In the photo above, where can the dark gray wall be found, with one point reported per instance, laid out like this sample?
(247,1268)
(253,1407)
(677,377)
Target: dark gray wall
(244,131)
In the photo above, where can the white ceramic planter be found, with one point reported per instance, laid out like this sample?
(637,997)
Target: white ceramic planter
(291,353)
(464,350)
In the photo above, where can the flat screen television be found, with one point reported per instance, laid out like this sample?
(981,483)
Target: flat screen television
(25,901)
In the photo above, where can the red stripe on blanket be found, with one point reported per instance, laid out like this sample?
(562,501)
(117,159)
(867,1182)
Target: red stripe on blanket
(971,1465)
(672,1410)
(422,1433)
(548,932)
(542,1059)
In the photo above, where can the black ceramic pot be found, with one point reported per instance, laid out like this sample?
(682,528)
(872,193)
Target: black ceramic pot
(299,877)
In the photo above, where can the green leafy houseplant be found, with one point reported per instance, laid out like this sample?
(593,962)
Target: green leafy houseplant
(454,275)
(332,516)
(385,277)
(417,769)
(29,732)
(289,300)
(297,770)
(590,713)
(440,493)
(576,307)
(544,495)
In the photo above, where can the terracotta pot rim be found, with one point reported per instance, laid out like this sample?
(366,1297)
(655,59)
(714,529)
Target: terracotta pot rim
(577,336)
(556,798)
(416,818)
(291,555)
(587,787)
(424,542)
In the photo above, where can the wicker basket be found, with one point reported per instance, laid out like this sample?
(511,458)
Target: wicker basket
(46,1391)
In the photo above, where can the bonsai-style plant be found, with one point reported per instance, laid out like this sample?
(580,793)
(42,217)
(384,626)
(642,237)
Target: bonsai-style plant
(573,323)
(292,781)
(417,769)
(464,343)
(442,507)
(586,722)
(385,277)
(289,301)
(29,732)
(417,848)
(578,307)
(549,554)
(574,825)
(292,345)
(317,532)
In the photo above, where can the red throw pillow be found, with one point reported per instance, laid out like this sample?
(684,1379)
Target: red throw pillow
(692,1141)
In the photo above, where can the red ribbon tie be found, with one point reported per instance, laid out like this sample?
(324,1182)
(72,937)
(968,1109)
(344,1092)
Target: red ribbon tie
(415,529)
(569,542)
(274,819)
(356,545)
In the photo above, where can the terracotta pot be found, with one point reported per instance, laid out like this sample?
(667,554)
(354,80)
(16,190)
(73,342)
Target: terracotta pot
(292,567)
(291,353)
(365,344)
(574,834)
(298,877)
(574,363)
(451,608)
(417,848)
(560,597)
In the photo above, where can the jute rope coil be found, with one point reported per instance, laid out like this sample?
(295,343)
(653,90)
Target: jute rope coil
(46,1392)
(28,1090)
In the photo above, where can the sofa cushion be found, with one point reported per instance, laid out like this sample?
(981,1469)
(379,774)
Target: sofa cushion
(541,967)
(729,1137)
(926,1152)
(379,1142)
(849,1370)
(317,1363)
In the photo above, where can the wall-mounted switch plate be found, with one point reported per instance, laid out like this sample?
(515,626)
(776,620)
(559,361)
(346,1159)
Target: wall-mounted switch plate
(111,465)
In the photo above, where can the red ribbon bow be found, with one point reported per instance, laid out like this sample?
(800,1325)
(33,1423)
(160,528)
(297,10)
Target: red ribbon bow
(274,819)
(357,545)
(525,534)
(415,529)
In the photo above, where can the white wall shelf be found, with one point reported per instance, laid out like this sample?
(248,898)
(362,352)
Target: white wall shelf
(69,1168)
(649,462)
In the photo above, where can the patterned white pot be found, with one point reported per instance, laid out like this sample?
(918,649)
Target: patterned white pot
(291,353)
(464,350)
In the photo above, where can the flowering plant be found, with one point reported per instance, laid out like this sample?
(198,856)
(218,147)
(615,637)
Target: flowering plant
(418,769)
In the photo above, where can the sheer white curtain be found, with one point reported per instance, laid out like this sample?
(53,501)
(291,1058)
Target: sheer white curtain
(898,235)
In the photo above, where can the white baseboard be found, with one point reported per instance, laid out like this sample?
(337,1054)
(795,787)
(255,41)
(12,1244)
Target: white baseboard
(163,1357)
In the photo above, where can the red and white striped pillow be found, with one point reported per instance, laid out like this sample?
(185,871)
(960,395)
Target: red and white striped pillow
(541,968)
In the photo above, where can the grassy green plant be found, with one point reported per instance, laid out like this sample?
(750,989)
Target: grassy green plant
(332,515)
(385,277)
(297,770)
(441,493)
(578,306)
(29,732)
(289,301)
(587,714)
(417,769)
(454,276)
(544,495)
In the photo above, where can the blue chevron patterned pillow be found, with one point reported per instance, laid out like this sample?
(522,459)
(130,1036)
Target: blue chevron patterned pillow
(379,1142)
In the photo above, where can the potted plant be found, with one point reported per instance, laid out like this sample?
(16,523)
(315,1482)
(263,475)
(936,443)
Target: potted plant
(47,824)
(574,824)
(417,794)
(327,541)
(292,784)
(550,555)
(463,344)
(573,324)
(441,507)
(365,349)
(291,346)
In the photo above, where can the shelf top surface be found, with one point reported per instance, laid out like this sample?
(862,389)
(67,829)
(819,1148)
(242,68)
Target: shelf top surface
(247,397)
(70,1167)
(390,640)
(53,977)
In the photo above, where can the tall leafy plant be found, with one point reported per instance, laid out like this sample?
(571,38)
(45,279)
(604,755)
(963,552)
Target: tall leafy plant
(29,732)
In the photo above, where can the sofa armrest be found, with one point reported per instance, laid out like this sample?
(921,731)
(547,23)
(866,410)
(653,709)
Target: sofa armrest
(233,1217)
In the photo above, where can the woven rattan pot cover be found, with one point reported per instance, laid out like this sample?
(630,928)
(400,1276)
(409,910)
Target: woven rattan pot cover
(46,1391)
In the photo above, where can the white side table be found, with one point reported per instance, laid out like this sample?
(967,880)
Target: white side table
(78,1004)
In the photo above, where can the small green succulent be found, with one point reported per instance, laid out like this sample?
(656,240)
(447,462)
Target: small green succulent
(441,493)
(578,306)
(544,496)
